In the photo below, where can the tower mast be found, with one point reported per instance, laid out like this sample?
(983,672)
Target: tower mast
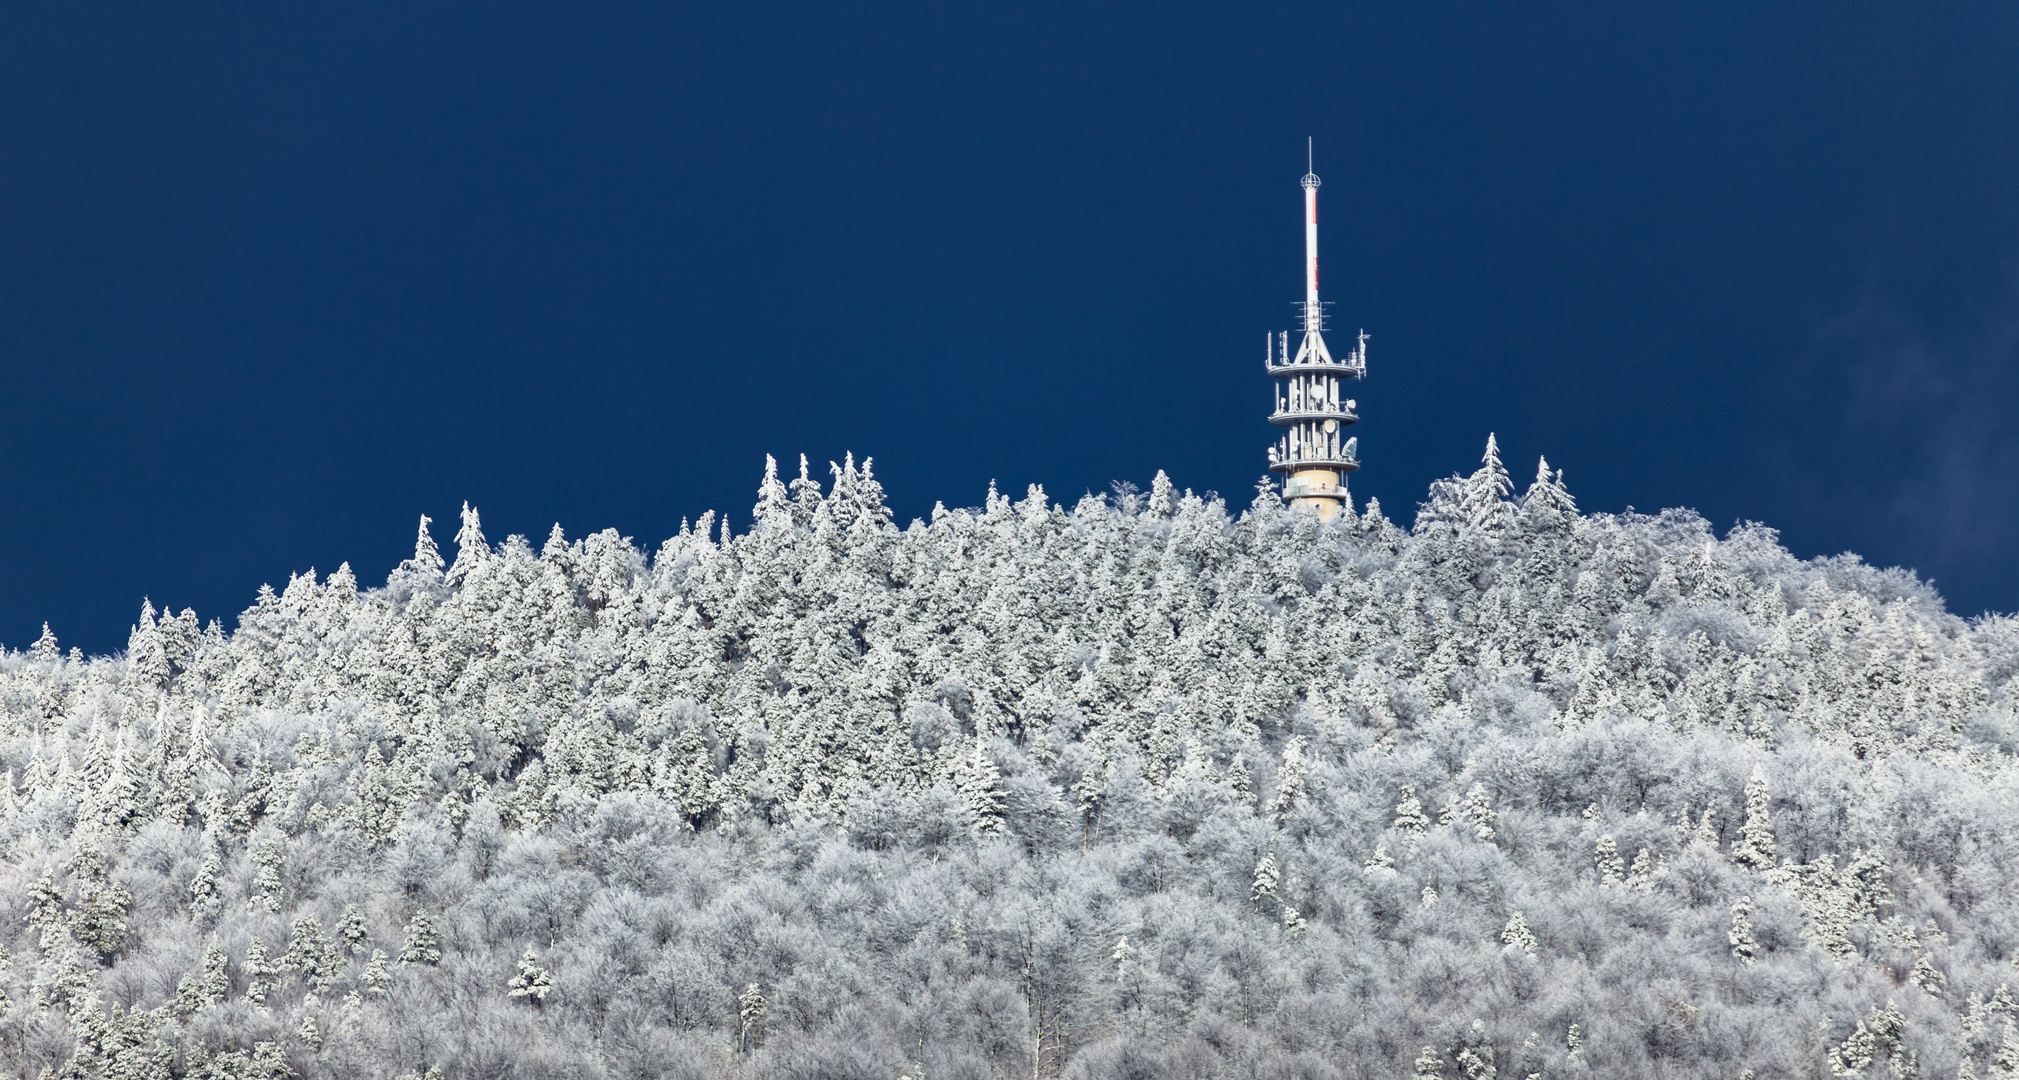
(1313,314)
(1312,452)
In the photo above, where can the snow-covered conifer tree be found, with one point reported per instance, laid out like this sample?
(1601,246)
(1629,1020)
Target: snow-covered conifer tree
(1289,780)
(1547,502)
(1485,503)
(2005,1063)
(426,564)
(1926,975)
(806,496)
(532,981)
(980,789)
(1611,868)
(1755,846)
(259,966)
(314,955)
(45,650)
(1380,862)
(1479,811)
(351,932)
(1741,936)
(145,651)
(1641,875)
(266,880)
(774,505)
(1264,887)
(1410,818)
(471,547)
(99,918)
(750,1010)
(423,943)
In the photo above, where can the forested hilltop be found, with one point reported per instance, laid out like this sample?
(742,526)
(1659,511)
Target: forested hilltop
(1139,788)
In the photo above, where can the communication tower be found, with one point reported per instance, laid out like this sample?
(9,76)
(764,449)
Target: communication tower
(1314,453)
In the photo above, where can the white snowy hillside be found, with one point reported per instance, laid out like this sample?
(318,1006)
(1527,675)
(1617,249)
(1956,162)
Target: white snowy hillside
(1134,789)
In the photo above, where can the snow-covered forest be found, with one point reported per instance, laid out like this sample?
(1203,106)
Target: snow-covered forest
(1143,787)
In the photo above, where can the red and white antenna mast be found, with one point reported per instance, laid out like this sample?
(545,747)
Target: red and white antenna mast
(1313,314)
(1313,350)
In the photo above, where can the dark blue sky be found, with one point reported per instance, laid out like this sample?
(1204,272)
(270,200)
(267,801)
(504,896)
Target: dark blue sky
(277,278)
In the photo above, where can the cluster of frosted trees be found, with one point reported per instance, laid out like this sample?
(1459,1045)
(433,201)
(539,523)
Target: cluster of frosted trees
(1135,788)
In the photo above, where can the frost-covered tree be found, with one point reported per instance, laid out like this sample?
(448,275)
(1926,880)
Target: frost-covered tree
(1291,784)
(1409,816)
(1755,846)
(979,784)
(750,1010)
(266,879)
(532,980)
(351,930)
(1264,885)
(1744,945)
(2005,1063)
(1478,810)
(259,967)
(1878,1034)
(422,945)
(1611,868)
